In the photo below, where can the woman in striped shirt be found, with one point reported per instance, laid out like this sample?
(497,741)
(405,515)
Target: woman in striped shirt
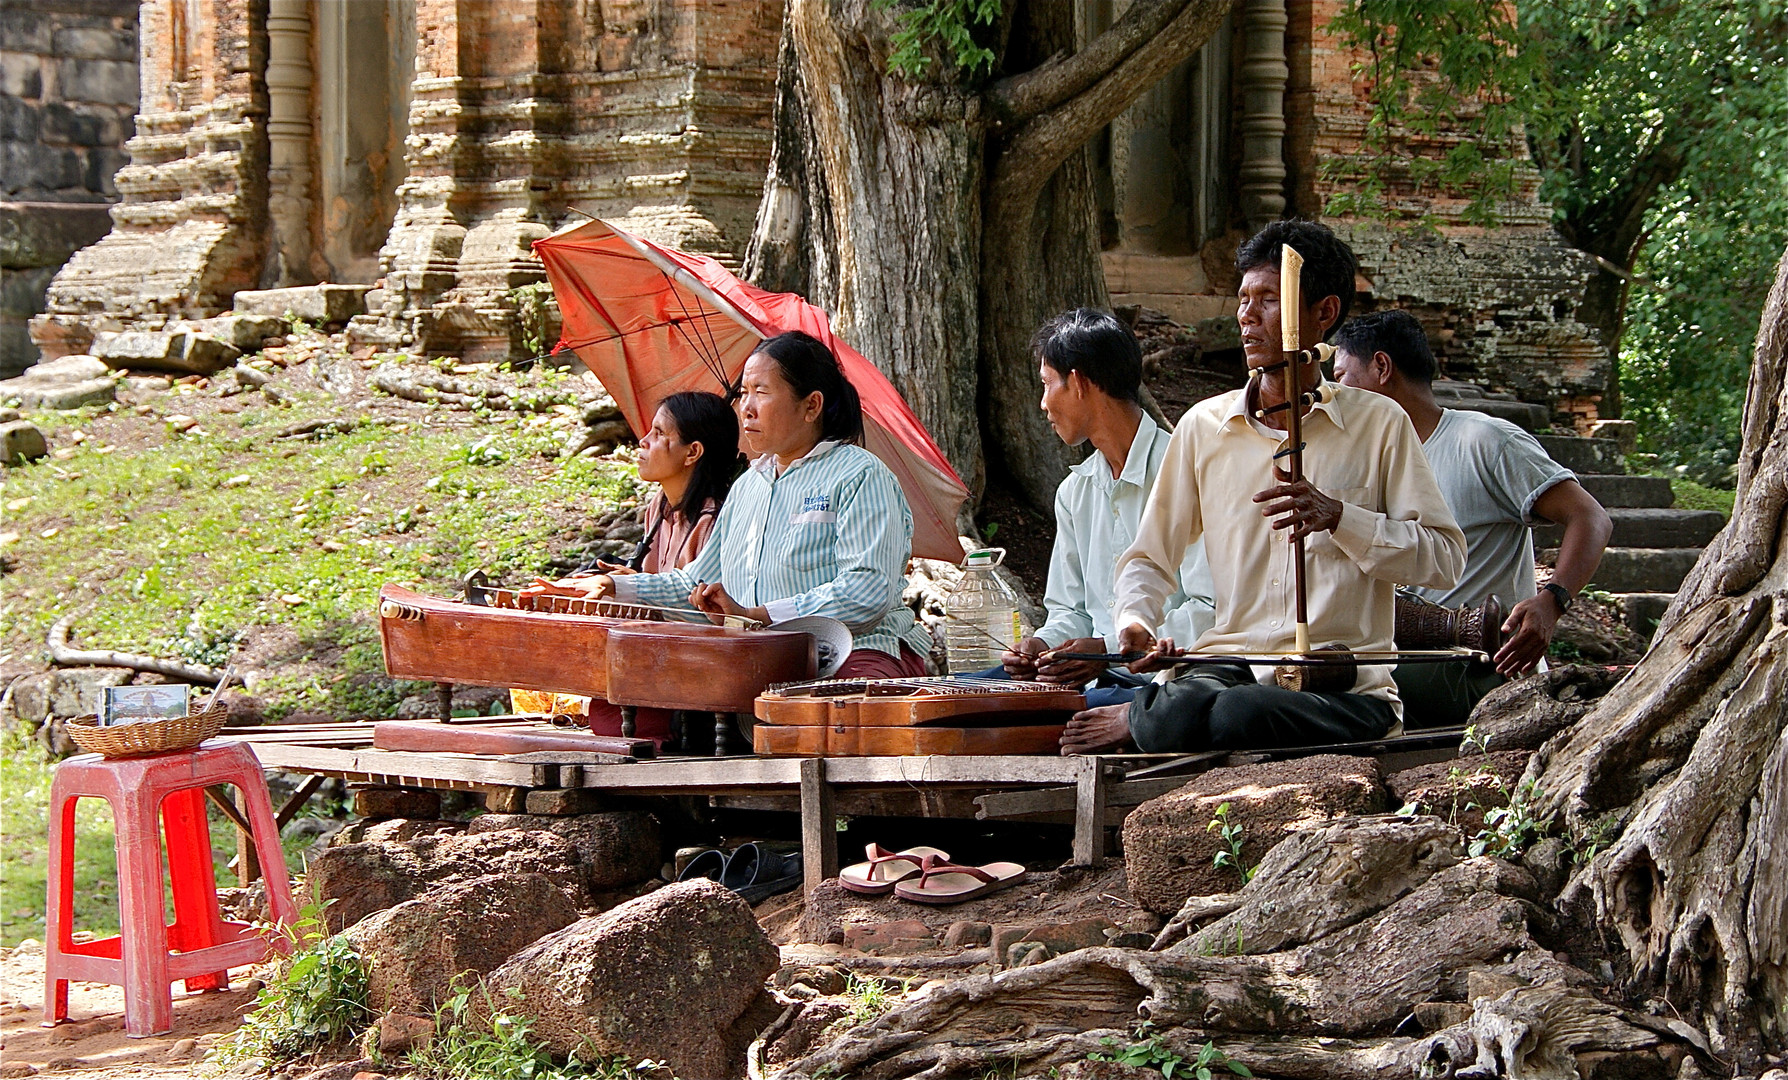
(816,526)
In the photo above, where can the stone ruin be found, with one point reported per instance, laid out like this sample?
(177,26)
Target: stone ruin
(415,148)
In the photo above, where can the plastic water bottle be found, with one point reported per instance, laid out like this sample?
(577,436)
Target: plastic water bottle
(982,618)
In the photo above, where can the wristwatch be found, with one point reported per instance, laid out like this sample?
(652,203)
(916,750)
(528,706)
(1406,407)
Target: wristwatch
(1559,593)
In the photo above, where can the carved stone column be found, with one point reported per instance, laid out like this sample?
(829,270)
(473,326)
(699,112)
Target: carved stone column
(1264,74)
(289,140)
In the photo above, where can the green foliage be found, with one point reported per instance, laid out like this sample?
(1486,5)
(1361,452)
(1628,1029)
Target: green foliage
(1655,128)
(480,1035)
(1693,496)
(530,312)
(1510,830)
(948,23)
(317,999)
(1154,1053)
(25,773)
(1231,853)
(870,997)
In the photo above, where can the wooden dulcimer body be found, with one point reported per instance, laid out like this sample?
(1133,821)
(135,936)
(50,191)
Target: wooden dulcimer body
(901,717)
(625,654)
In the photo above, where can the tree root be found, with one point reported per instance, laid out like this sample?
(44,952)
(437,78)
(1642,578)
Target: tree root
(1339,873)
(432,387)
(61,653)
(1538,1033)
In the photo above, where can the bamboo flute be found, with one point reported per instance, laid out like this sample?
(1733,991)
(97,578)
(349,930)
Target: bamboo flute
(1291,267)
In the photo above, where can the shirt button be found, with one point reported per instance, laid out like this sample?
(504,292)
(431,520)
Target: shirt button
(1275,583)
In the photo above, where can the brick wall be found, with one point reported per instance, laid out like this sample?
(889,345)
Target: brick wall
(68,95)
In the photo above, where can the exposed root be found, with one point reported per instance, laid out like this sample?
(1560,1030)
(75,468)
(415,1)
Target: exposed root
(62,654)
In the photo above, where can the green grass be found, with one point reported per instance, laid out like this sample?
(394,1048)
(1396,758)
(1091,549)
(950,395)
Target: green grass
(181,547)
(1693,496)
(24,833)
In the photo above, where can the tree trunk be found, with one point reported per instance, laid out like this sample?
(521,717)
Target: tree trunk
(1684,764)
(934,215)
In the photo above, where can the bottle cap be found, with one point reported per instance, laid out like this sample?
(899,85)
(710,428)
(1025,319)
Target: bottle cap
(984,559)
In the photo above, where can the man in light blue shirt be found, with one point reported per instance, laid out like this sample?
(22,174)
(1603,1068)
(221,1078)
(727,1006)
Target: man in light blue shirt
(1091,367)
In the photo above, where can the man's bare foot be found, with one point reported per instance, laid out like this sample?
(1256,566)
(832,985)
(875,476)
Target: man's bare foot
(1096,731)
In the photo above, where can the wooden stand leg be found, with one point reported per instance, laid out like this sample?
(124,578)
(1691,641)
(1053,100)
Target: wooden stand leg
(819,825)
(444,700)
(1089,813)
(722,721)
(679,723)
(629,716)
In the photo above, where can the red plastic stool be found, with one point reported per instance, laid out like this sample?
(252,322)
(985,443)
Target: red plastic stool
(150,953)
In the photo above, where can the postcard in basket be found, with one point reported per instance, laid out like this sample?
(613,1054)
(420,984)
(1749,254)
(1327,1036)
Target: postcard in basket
(135,704)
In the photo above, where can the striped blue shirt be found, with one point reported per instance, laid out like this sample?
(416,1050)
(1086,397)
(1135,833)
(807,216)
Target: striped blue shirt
(831,536)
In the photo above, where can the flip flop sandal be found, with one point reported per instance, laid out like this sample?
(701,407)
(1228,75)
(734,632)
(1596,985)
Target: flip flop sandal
(942,882)
(885,869)
(709,864)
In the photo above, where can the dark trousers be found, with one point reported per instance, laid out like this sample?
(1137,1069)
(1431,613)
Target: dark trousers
(1221,707)
(1443,695)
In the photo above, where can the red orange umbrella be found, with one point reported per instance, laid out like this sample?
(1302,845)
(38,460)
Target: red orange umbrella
(649,322)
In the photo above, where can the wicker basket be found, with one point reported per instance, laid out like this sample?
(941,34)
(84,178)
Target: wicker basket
(148,736)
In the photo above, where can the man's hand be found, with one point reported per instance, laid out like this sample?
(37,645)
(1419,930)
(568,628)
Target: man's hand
(1094,731)
(1071,672)
(1526,634)
(1305,509)
(578,587)
(1156,653)
(1020,661)
(712,598)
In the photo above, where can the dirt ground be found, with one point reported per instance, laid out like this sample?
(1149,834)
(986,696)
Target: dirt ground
(92,1044)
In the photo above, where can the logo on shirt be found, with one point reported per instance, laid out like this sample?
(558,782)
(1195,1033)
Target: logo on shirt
(815,510)
(816,504)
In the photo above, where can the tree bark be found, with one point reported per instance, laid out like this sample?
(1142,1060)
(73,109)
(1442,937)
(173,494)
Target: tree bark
(941,220)
(1684,764)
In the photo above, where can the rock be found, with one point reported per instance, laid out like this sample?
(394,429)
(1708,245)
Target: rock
(81,691)
(417,948)
(312,303)
(397,802)
(1169,848)
(616,849)
(965,934)
(804,1032)
(1068,937)
(21,441)
(1523,714)
(400,1033)
(340,1070)
(7,416)
(244,332)
(183,1049)
(1461,790)
(398,829)
(67,382)
(1550,862)
(12,1069)
(375,875)
(188,352)
(905,937)
(665,976)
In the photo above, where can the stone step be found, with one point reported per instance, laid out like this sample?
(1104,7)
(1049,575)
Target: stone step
(1613,491)
(1649,527)
(1642,610)
(1582,455)
(326,304)
(1522,414)
(1637,570)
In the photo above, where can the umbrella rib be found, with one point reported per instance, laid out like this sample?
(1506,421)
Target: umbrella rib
(710,354)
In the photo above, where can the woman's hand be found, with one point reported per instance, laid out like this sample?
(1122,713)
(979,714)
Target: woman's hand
(614,569)
(587,587)
(712,598)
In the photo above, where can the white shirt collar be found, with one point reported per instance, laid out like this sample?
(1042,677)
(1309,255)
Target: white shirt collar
(765,464)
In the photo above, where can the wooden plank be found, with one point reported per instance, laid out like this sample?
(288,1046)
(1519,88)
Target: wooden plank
(291,806)
(990,771)
(1056,800)
(819,825)
(888,800)
(464,769)
(872,741)
(1089,813)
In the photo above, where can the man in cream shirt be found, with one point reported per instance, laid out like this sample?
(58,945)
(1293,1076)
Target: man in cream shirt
(1368,509)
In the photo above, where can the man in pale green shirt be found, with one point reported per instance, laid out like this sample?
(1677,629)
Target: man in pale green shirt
(1091,367)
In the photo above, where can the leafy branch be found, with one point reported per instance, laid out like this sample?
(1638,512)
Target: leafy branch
(949,23)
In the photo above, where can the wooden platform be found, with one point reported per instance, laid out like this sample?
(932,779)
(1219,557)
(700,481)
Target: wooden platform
(1092,792)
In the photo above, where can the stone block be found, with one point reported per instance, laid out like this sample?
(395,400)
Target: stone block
(26,31)
(21,74)
(1170,846)
(506,800)
(243,332)
(183,351)
(1068,937)
(1649,527)
(104,82)
(28,704)
(396,829)
(47,233)
(62,123)
(1629,491)
(1584,455)
(1642,611)
(1625,433)
(312,303)
(20,441)
(60,396)
(563,801)
(1629,570)
(19,121)
(95,43)
(400,1033)
(397,802)
(375,875)
(68,370)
